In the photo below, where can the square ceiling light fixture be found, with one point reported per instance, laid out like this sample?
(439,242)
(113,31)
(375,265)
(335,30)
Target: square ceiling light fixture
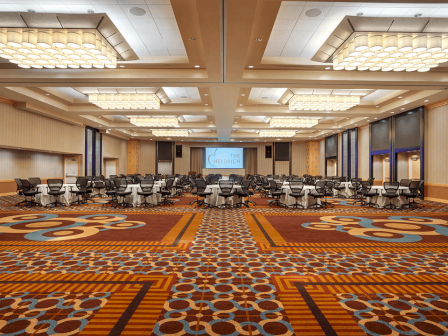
(322,103)
(277,134)
(155,122)
(293,122)
(35,40)
(126,101)
(386,44)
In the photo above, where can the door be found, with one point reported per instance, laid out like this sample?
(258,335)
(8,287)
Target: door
(110,167)
(71,170)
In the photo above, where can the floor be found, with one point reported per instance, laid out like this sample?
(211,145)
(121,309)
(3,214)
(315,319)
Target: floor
(180,270)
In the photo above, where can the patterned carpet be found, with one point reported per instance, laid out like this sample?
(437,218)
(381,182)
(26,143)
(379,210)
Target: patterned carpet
(94,270)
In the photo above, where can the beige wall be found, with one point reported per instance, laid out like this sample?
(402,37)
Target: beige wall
(377,168)
(148,157)
(281,167)
(322,157)
(32,131)
(363,152)
(24,164)
(114,148)
(298,164)
(339,163)
(182,165)
(436,148)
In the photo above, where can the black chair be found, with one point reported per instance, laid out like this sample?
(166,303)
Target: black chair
(98,184)
(355,187)
(318,193)
(243,192)
(193,190)
(82,185)
(371,179)
(265,187)
(110,191)
(201,188)
(19,191)
(226,191)
(34,181)
(367,192)
(276,193)
(167,192)
(318,177)
(239,180)
(146,187)
(390,192)
(251,192)
(405,183)
(158,178)
(296,192)
(180,185)
(328,193)
(54,187)
(29,191)
(412,194)
(232,177)
(338,186)
(121,184)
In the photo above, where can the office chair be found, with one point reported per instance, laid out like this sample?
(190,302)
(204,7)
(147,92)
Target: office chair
(297,191)
(226,191)
(31,192)
(19,190)
(390,192)
(146,187)
(54,187)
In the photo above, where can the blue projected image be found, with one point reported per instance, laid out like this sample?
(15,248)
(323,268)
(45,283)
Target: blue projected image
(224,158)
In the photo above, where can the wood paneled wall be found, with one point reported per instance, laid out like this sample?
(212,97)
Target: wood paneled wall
(133,157)
(363,152)
(182,165)
(322,157)
(436,152)
(312,157)
(299,159)
(32,131)
(114,148)
(147,157)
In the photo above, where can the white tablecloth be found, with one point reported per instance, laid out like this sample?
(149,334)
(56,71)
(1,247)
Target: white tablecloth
(216,200)
(137,199)
(44,199)
(306,200)
(381,200)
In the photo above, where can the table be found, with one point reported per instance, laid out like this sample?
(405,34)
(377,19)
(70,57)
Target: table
(306,200)
(381,201)
(216,200)
(137,199)
(44,199)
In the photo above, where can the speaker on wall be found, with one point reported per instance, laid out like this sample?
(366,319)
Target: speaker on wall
(178,151)
(268,152)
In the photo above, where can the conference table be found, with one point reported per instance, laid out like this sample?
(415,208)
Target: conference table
(216,200)
(305,201)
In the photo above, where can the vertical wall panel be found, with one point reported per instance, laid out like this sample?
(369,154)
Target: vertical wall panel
(312,157)
(339,163)
(299,158)
(114,148)
(148,157)
(322,157)
(133,157)
(281,167)
(363,153)
(436,149)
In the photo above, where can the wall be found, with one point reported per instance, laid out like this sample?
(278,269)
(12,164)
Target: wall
(339,162)
(147,157)
(36,136)
(114,148)
(377,168)
(363,152)
(298,159)
(322,157)
(436,152)
(281,167)
(182,165)
(223,172)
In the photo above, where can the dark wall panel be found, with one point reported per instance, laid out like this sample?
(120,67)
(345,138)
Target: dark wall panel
(281,151)
(380,135)
(165,151)
(331,146)
(407,130)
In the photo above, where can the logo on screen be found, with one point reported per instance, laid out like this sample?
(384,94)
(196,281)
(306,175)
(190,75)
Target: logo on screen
(221,158)
(210,157)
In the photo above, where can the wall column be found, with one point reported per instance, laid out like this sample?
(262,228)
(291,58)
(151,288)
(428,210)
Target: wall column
(312,157)
(133,156)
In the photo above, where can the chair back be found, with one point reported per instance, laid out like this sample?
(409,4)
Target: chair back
(296,186)
(232,177)
(146,185)
(108,185)
(318,177)
(82,183)
(273,185)
(245,185)
(405,183)
(356,183)
(34,181)
(391,187)
(414,186)
(121,184)
(226,186)
(365,186)
(158,178)
(200,185)
(26,185)
(371,179)
(319,186)
(239,179)
(169,183)
(55,184)
(19,184)
(214,179)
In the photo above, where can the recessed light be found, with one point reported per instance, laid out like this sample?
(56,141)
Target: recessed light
(243,94)
(47,94)
(402,108)
(121,66)
(241,104)
(375,118)
(359,14)
(137,11)
(109,129)
(426,101)
(192,38)
(400,97)
(206,104)
(258,39)
(376,106)
(236,122)
(392,112)
(368,120)
(355,125)
(251,66)
(197,66)
(211,122)
(327,68)
(18,148)
(205,94)
(150,139)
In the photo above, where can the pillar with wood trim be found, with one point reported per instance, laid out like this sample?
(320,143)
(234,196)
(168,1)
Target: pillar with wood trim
(312,157)
(133,156)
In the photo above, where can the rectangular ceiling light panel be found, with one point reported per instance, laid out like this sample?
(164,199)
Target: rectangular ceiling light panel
(126,101)
(277,134)
(323,103)
(155,122)
(170,133)
(293,122)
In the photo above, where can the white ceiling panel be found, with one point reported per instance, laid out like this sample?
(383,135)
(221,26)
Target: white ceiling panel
(266,93)
(182,93)
(287,38)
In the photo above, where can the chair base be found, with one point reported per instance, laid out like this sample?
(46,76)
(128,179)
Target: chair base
(165,201)
(391,206)
(226,206)
(251,202)
(30,203)
(296,206)
(412,205)
(277,202)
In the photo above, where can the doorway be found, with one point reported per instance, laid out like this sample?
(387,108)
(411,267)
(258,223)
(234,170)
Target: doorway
(71,169)
(110,167)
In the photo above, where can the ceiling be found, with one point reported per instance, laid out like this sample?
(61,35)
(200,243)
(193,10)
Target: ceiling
(222,76)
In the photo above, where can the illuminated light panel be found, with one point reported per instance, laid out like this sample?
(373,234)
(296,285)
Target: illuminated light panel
(392,52)
(277,134)
(126,101)
(322,102)
(293,122)
(56,48)
(155,122)
(170,133)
